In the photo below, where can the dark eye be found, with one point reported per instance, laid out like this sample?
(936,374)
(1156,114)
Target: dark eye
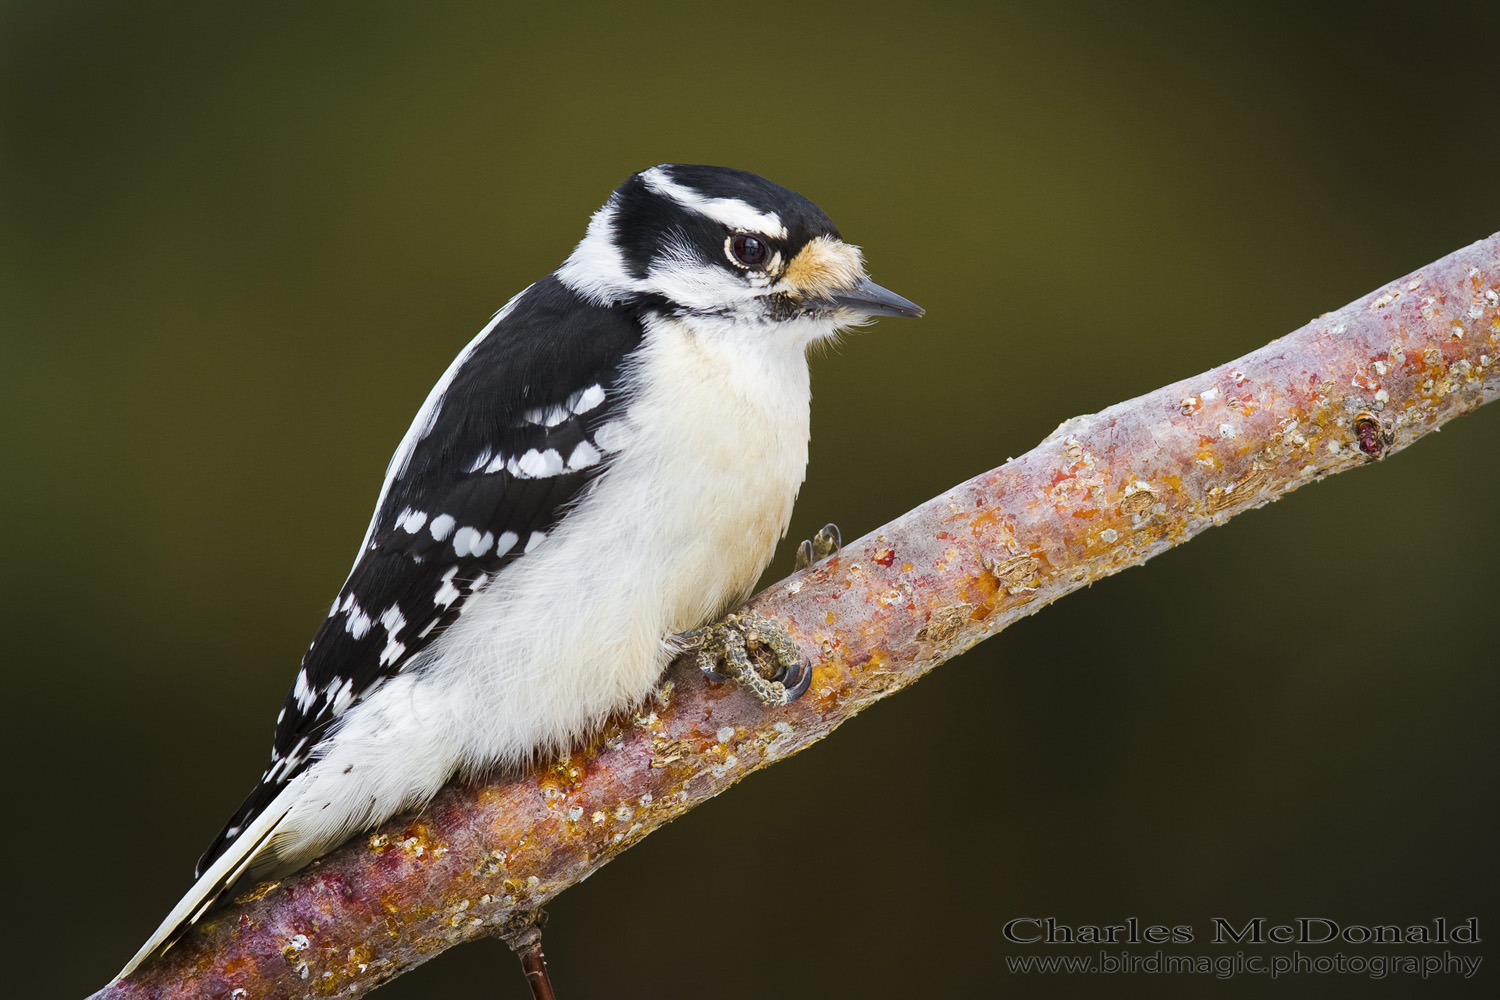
(748,250)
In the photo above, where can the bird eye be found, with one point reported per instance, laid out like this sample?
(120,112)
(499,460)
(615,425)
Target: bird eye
(747,250)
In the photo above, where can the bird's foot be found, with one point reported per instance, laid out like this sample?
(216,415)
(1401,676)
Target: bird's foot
(819,547)
(755,652)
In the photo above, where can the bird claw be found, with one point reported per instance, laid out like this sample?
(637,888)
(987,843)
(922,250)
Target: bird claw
(755,652)
(819,547)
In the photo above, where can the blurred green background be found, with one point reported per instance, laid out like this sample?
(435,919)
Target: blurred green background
(238,242)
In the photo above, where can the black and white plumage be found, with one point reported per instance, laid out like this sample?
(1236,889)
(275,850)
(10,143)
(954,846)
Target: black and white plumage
(607,465)
(464,497)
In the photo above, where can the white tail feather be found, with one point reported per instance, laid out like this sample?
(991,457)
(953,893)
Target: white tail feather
(223,873)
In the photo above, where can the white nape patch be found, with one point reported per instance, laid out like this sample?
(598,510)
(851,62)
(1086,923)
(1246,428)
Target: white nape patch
(447,593)
(596,269)
(393,620)
(506,542)
(537,538)
(411,521)
(359,623)
(612,436)
(469,542)
(545,416)
(729,212)
(303,692)
(426,418)
(481,461)
(584,456)
(441,525)
(586,399)
(539,464)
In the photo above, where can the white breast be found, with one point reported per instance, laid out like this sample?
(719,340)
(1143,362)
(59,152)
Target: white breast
(709,458)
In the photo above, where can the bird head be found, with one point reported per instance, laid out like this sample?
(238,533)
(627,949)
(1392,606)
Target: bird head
(726,247)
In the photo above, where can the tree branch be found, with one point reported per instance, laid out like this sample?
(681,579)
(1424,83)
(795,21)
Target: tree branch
(1104,492)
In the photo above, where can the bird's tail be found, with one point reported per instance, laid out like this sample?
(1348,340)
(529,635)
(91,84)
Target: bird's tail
(223,873)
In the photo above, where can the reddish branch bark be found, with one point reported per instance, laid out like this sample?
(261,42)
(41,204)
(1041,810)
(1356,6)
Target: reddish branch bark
(1102,493)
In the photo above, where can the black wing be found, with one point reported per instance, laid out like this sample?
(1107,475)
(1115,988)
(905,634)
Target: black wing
(502,445)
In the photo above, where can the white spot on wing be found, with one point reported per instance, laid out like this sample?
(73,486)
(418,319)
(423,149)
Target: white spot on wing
(441,525)
(481,461)
(506,542)
(392,651)
(393,620)
(537,538)
(462,539)
(583,456)
(545,416)
(343,697)
(303,692)
(447,593)
(539,464)
(359,623)
(411,521)
(469,542)
(585,400)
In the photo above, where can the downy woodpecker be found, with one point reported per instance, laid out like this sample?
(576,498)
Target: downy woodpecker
(604,469)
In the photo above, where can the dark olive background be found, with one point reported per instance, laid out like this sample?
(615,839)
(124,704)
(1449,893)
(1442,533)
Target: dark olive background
(239,242)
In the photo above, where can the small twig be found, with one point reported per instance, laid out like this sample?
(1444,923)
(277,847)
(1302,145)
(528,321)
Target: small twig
(526,941)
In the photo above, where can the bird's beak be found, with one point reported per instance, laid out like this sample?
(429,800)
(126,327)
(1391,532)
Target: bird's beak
(873,300)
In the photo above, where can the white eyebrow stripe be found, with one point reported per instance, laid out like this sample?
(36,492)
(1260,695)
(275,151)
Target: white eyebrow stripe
(729,212)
